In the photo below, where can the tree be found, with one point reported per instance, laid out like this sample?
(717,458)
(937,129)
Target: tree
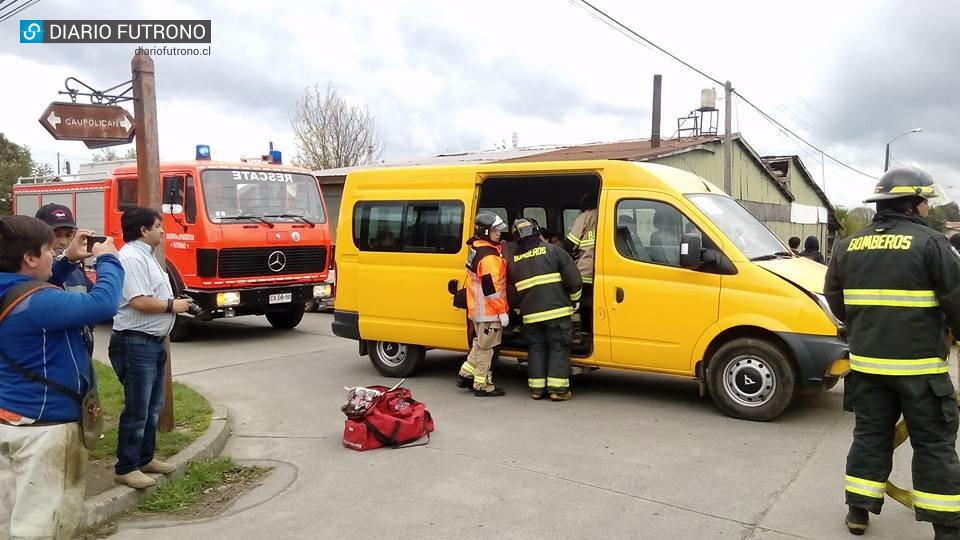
(131,153)
(853,219)
(106,154)
(15,162)
(332,133)
(951,212)
(41,169)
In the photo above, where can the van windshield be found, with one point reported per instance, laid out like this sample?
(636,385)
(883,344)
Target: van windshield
(232,195)
(751,237)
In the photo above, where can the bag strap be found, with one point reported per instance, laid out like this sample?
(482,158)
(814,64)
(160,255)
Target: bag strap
(11,299)
(391,441)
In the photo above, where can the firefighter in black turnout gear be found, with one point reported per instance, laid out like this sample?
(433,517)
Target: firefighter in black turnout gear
(896,284)
(548,285)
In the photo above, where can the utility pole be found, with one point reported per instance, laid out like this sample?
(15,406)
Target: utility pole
(727,140)
(148,180)
(886,159)
(655,126)
(58,163)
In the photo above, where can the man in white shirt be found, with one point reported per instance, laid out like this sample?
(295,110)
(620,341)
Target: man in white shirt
(137,351)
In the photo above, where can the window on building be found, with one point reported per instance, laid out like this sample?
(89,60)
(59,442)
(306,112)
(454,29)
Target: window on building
(414,226)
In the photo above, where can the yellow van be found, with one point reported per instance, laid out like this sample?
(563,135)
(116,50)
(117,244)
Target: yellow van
(687,282)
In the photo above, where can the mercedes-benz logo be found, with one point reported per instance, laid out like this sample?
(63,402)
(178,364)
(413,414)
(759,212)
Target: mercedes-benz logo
(276,261)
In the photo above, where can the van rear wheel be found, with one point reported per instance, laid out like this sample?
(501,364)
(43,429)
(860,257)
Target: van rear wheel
(395,359)
(751,379)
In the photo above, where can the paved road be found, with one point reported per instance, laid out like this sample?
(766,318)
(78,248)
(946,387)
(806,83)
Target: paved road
(631,456)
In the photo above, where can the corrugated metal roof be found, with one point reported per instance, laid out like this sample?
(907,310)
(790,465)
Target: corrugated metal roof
(630,150)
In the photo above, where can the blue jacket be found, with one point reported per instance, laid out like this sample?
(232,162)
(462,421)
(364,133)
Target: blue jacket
(43,334)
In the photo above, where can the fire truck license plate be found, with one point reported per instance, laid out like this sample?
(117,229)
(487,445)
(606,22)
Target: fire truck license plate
(281,298)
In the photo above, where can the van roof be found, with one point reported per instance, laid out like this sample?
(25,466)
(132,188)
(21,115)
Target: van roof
(233,165)
(632,174)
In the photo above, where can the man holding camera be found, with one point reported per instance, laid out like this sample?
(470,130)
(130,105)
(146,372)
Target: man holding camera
(137,350)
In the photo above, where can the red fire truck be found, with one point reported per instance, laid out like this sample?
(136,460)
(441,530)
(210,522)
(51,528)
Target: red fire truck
(241,238)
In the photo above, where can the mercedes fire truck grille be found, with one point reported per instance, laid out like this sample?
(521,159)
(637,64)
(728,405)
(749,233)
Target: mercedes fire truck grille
(272,261)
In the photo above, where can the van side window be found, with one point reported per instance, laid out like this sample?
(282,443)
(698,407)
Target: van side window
(569,216)
(650,231)
(415,226)
(537,213)
(502,212)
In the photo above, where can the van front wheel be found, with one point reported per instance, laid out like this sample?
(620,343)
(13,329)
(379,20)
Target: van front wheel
(751,379)
(395,359)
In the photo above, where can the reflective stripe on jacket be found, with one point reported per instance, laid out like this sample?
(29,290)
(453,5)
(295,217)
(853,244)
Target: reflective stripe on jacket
(546,281)
(583,236)
(895,284)
(486,281)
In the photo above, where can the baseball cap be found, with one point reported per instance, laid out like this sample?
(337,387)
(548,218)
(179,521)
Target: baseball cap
(56,216)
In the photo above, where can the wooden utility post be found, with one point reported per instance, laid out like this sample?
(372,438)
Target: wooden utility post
(148,180)
(655,126)
(727,140)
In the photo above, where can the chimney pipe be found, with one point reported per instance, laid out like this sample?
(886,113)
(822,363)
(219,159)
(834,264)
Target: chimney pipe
(655,128)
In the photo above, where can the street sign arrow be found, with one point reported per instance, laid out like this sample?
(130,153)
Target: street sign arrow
(81,122)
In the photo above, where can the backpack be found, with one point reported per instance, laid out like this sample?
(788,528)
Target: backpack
(385,417)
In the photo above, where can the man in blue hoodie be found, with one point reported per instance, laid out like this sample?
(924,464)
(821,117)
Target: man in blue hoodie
(42,459)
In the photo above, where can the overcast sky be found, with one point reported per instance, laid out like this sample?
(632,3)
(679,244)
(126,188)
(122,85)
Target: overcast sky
(461,76)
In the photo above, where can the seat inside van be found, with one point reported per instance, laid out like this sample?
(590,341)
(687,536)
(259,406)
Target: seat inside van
(554,201)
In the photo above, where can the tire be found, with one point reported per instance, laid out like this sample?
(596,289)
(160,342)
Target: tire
(395,359)
(285,320)
(181,324)
(751,379)
(181,329)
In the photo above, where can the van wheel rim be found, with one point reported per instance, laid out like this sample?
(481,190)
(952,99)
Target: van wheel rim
(749,381)
(390,353)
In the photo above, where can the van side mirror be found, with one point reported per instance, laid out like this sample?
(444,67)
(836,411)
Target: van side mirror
(691,251)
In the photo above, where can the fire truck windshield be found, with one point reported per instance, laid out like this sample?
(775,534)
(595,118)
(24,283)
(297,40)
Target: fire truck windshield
(259,195)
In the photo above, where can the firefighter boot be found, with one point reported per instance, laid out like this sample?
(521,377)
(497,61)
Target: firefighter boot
(536,393)
(943,532)
(857,520)
(493,391)
(561,396)
(464,382)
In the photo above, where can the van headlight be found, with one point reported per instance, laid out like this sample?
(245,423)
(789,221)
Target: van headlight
(230,298)
(825,306)
(321,291)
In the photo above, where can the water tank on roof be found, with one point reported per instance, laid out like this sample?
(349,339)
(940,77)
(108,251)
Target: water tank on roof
(708,98)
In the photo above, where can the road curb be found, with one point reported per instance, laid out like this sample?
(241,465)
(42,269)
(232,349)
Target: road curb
(102,508)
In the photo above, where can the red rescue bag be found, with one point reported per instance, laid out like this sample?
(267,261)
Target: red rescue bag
(393,419)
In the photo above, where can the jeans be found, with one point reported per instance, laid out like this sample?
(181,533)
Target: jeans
(140,364)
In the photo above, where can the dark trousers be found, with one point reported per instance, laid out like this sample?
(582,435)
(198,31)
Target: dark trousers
(929,407)
(586,309)
(548,355)
(140,364)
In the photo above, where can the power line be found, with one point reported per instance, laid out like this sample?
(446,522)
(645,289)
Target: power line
(16,10)
(610,21)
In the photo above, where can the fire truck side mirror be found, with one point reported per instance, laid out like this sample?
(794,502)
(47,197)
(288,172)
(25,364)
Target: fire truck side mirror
(172,195)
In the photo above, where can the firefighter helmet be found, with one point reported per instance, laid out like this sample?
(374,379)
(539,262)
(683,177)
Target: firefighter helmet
(903,181)
(487,222)
(524,228)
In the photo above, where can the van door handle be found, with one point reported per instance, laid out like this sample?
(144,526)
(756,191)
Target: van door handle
(619,295)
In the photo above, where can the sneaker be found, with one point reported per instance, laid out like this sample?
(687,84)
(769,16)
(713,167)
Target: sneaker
(159,467)
(537,394)
(561,396)
(135,479)
(464,382)
(493,392)
(942,532)
(857,520)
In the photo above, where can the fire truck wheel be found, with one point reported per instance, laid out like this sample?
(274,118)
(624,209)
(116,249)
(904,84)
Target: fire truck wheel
(395,359)
(285,320)
(751,379)
(181,329)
